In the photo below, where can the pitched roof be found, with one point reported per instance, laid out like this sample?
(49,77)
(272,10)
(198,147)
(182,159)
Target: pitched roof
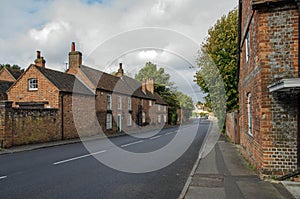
(159,99)
(64,82)
(124,85)
(14,72)
(5,85)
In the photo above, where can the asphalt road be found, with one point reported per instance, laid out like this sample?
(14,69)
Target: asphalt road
(70,171)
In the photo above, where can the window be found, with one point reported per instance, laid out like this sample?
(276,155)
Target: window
(32,84)
(165,108)
(119,103)
(159,119)
(129,103)
(165,118)
(108,121)
(141,102)
(247,47)
(143,117)
(108,102)
(150,102)
(249,114)
(159,107)
(129,120)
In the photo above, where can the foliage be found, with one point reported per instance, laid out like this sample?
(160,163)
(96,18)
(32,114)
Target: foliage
(220,48)
(186,104)
(11,66)
(158,75)
(165,89)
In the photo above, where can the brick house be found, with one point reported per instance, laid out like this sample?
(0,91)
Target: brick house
(268,85)
(122,103)
(7,77)
(43,103)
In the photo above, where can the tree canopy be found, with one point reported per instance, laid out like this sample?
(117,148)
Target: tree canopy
(164,87)
(158,75)
(11,66)
(221,48)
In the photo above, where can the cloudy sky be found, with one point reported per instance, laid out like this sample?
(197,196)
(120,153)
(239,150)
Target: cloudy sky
(165,32)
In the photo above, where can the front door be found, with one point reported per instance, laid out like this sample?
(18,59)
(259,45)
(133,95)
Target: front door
(119,123)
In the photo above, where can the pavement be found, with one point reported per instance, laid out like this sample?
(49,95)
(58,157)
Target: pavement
(224,173)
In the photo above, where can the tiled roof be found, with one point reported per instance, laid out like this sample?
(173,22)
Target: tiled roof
(124,85)
(14,72)
(65,82)
(159,99)
(4,86)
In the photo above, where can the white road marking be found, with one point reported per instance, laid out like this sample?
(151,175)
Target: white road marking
(170,133)
(2,177)
(152,138)
(132,143)
(79,157)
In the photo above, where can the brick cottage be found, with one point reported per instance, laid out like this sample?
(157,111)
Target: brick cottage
(269,85)
(42,102)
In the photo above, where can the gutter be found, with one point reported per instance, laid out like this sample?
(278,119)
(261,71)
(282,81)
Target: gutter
(62,115)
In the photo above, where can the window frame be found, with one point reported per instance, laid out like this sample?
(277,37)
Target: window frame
(30,83)
(108,121)
(129,103)
(129,119)
(119,102)
(109,102)
(249,114)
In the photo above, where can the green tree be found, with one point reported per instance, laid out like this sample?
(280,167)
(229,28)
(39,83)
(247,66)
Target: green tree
(11,66)
(165,88)
(186,104)
(158,75)
(220,48)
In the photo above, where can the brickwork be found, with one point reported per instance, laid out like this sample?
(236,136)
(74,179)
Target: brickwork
(232,130)
(273,35)
(6,76)
(46,91)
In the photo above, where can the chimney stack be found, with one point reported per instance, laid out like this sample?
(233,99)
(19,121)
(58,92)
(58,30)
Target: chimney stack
(39,61)
(75,58)
(120,72)
(150,85)
(144,87)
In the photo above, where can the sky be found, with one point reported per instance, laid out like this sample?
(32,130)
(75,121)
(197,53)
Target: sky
(168,33)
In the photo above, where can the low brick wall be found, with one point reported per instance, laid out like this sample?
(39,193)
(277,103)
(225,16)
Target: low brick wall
(26,126)
(232,129)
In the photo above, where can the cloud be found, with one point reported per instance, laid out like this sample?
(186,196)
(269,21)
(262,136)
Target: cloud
(51,26)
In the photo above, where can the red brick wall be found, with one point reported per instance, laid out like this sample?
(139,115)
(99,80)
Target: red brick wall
(5,76)
(273,56)
(232,130)
(46,90)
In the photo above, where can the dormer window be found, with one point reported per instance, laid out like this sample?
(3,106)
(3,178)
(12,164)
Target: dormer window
(33,84)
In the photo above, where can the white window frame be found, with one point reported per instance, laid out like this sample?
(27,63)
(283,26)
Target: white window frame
(159,107)
(109,102)
(165,118)
(150,102)
(33,84)
(108,121)
(247,47)
(159,119)
(249,113)
(129,119)
(129,103)
(119,102)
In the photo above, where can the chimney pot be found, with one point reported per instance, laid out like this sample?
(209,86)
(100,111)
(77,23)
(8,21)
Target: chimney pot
(73,47)
(38,54)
